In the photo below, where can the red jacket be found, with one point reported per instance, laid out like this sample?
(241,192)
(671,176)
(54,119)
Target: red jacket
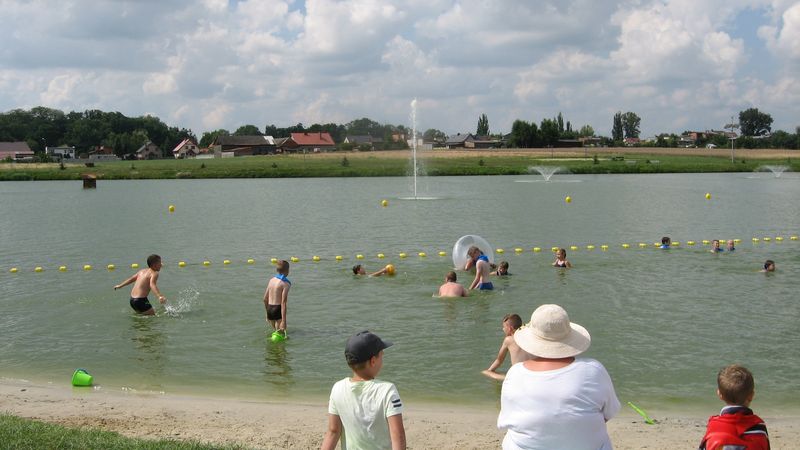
(735,428)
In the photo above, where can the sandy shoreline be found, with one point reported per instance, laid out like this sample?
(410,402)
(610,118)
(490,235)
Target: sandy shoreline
(266,425)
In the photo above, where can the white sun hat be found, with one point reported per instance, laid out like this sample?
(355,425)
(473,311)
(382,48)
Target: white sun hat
(551,335)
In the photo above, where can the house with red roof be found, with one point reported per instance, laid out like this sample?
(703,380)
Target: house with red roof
(186,149)
(313,142)
(16,151)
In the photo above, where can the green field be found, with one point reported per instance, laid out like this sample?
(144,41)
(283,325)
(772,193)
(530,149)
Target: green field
(23,434)
(379,165)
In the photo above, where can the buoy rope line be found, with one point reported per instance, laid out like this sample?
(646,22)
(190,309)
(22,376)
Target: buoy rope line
(404,255)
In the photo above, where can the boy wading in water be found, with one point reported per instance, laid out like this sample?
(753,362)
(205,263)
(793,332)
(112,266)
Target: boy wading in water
(146,280)
(481,263)
(276,297)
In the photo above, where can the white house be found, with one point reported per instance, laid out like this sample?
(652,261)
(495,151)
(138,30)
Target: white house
(186,149)
(60,152)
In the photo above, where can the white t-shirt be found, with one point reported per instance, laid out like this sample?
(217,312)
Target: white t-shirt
(564,408)
(363,407)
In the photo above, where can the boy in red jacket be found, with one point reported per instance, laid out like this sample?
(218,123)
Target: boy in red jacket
(736,427)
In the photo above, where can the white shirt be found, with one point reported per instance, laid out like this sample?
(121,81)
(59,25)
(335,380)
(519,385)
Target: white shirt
(565,408)
(363,407)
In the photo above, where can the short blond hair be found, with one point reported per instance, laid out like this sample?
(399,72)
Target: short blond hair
(735,384)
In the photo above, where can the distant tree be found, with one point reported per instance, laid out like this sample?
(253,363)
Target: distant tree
(434,135)
(755,123)
(586,131)
(247,130)
(210,136)
(616,128)
(630,124)
(548,132)
(523,135)
(483,126)
(364,127)
(560,122)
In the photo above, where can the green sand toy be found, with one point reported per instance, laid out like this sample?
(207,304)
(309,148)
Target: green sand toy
(644,415)
(278,336)
(81,378)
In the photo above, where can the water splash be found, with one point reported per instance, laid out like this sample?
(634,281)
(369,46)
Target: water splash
(187,300)
(776,170)
(415,169)
(545,171)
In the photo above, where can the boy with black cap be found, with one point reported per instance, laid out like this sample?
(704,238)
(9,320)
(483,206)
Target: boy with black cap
(364,412)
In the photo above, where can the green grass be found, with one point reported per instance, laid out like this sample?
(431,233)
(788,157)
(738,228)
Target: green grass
(23,434)
(376,166)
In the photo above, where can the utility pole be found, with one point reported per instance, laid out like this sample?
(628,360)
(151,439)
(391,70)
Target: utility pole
(732,126)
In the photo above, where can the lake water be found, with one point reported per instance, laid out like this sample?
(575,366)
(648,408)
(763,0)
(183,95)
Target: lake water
(662,322)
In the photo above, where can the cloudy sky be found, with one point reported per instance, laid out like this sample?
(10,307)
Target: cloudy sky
(207,64)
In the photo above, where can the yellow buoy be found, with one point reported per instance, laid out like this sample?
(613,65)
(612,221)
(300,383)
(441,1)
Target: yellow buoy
(737,241)
(537,249)
(111,267)
(251,261)
(642,245)
(339,257)
(442,253)
(384,203)
(690,242)
(706,242)
(381,256)
(553,249)
(518,250)
(273,260)
(226,262)
(568,199)
(315,258)
(604,247)
(590,247)
(181,263)
(135,266)
(13,270)
(359,256)
(402,255)
(171,208)
(755,239)
(779,239)
(500,251)
(206,263)
(792,238)
(295,259)
(626,245)
(574,248)
(87,267)
(390,269)
(422,254)
(767,239)
(708,196)
(675,244)
(38,269)
(62,268)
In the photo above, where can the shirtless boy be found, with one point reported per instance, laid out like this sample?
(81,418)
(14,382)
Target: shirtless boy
(511,323)
(276,297)
(450,288)
(145,280)
(481,263)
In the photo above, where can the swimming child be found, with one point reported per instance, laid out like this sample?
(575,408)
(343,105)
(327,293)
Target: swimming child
(502,269)
(769,266)
(359,269)
(146,280)
(715,246)
(481,263)
(665,242)
(561,259)
(277,296)
(731,246)
(450,288)
(511,323)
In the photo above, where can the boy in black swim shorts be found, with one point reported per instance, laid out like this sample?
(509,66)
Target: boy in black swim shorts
(145,280)
(276,297)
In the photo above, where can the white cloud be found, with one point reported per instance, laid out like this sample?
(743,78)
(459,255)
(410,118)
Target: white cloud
(784,39)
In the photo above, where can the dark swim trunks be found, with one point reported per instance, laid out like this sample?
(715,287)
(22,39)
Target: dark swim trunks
(274,312)
(141,305)
(488,286)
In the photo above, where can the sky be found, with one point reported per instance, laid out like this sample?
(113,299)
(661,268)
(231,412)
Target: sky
(209,64)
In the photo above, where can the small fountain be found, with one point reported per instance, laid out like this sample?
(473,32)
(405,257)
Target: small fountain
(545,171)
(776,170)
(416,168)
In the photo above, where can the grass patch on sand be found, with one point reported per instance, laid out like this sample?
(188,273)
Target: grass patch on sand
(23,434)
(380,165)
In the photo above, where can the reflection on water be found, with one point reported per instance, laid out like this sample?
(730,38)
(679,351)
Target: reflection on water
(150,343)
(277,370)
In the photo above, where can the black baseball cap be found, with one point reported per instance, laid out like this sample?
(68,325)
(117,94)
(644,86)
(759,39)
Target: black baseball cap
(362,346)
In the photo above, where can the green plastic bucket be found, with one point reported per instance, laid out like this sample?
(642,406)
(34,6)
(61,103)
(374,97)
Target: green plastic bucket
(81,378)
(277,336)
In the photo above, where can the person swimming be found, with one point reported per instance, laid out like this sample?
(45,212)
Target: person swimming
(561,259)
(666,242)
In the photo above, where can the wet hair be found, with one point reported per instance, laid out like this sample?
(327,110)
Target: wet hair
(472,250)
(768,263)
(282,267)
(504,265)
(451,276)
(735,384)
(152,260)
(666,240)
(356,269)
(562,250)
(514,320)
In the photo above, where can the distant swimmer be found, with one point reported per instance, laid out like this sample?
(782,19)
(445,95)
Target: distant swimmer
(666,242)
(561,259)
(511,323)
(276,297)
(731,246)
(501,270)
(769,266)
(481,263)
(451,288)
(359,269)
(715,246)
(146,280)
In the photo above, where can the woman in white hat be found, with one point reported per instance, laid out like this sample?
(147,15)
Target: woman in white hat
(556,400)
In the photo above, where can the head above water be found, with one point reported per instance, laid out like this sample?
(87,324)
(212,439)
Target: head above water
(503,266)
(474,252)
(562,253)
(513,320)
(358,269)
(715,243)
(451,277)
(731,244)
(735,385)
(666,240)
(282,267)
(153,260)
(769,265)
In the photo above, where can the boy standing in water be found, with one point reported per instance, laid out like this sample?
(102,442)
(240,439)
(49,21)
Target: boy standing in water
(451,288)
(511,323)
(146,280)
(481,263)
(276,297)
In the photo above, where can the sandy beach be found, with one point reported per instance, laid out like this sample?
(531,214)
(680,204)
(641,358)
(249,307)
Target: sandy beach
(265,425)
